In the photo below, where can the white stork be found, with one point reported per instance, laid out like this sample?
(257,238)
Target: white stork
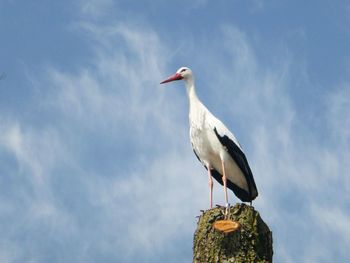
(216,147)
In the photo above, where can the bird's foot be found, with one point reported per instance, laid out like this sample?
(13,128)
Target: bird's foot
(226,225)
(227,211)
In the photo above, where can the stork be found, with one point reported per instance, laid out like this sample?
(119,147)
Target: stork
(216,147)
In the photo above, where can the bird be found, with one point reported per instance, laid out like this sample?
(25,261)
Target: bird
(216,147)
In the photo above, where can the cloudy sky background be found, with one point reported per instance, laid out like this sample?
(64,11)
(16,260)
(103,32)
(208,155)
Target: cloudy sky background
(95,159)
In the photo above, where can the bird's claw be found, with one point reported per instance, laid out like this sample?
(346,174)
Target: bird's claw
(227,211)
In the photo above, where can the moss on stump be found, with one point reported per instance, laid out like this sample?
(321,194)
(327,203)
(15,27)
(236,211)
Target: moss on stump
(251,243)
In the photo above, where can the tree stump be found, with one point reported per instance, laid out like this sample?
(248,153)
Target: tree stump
(252,242)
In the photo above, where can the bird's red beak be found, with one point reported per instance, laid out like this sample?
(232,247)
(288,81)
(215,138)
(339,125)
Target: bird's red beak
(176,76)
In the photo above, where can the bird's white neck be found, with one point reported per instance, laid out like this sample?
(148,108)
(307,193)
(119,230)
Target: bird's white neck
(191,91)
(196,106)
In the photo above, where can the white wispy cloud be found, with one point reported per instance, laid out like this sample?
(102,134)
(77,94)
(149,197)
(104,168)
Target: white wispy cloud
(339,113)
(28,199)
(93,8)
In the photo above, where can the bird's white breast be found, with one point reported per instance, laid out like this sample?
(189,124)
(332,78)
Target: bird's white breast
(208,147)
(203,139)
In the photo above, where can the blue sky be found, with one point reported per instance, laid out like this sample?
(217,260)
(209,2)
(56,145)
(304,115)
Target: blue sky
(95,159)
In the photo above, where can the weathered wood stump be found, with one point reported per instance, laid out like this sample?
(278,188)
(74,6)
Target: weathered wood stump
(252,242)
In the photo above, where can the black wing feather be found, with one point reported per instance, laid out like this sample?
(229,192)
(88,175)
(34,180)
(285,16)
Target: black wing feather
(239,157)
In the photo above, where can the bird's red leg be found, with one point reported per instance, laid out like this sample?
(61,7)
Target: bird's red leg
(224,180)
(210,182)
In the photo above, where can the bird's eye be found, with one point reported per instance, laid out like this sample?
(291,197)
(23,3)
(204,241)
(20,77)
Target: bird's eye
(183,70)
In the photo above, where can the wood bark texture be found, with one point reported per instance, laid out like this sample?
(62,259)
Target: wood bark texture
(251,243)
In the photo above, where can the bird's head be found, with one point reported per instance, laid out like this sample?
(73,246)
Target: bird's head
(182,73)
